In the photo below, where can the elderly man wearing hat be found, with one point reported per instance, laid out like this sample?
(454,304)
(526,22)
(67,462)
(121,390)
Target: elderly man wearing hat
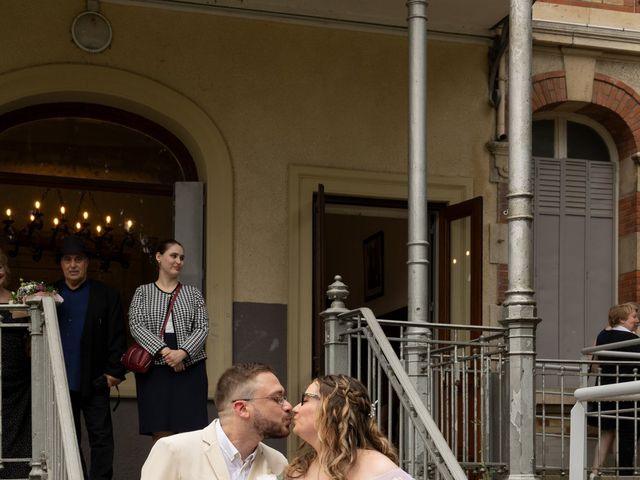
(92,329)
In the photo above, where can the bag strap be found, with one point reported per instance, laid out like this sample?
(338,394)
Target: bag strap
(174,295)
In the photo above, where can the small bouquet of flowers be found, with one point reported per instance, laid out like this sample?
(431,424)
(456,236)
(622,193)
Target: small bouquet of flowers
(35,289)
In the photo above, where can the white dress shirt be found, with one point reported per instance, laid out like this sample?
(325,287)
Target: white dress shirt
(620,328)
(238,469)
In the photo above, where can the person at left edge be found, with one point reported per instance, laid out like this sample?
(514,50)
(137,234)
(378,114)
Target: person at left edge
(92,330)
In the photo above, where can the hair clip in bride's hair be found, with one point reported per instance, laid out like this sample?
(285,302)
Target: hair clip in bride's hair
(372,412)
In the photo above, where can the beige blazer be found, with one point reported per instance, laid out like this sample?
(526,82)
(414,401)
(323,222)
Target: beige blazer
(197,456)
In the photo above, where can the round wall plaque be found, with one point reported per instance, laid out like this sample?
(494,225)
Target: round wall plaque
(91,32)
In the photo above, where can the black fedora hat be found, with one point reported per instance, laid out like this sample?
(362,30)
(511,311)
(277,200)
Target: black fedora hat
(73,245)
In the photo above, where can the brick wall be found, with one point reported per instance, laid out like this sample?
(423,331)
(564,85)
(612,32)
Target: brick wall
(549,90)
(629,214)
(632,6)
(629,287)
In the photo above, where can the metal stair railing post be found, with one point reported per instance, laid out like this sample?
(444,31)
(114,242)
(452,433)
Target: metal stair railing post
(336,344)
(578,442)
(38,404)
(614,392)
(68,444)
(415,352)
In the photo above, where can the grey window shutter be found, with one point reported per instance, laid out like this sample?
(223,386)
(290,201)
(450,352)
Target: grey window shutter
(574,250)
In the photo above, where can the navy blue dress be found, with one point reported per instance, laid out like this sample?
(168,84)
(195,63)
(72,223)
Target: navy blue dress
(170,401)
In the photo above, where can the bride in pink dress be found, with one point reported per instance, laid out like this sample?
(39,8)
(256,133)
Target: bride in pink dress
(336,421)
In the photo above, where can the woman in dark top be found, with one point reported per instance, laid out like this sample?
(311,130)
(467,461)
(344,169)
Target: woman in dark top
(172,395)
(623,323)
(16,385)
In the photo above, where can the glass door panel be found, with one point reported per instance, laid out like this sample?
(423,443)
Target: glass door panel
(460,259)
(460,265)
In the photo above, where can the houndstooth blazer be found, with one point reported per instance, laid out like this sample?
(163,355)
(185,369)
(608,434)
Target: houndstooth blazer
(190,320)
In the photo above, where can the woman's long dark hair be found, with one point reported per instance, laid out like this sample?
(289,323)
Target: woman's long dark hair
(164,245)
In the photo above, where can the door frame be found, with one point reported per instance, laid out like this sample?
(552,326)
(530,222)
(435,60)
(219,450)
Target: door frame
(320,202)
(303,181)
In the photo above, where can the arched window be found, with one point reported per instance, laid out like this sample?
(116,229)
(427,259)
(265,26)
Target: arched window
(563,138)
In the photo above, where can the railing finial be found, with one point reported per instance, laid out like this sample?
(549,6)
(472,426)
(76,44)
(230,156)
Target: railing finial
(338,292)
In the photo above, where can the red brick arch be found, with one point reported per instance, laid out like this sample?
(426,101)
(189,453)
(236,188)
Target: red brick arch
(614,104)
(549,90)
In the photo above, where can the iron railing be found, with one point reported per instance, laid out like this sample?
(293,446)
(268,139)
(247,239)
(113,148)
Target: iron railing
(55,453)
(621,389)
(461,366)
(556,381)
(466,394)
(625,393)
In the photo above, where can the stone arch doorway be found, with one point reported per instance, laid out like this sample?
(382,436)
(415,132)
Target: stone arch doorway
(192,125)
(115,167)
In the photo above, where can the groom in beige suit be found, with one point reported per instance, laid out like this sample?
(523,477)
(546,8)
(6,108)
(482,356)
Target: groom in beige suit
(252,406)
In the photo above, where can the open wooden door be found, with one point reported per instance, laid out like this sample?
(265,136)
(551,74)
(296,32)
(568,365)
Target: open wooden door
(460,263)
(319,289)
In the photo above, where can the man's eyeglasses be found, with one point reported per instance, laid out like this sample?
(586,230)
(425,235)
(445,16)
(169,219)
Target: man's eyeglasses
(279,399)
(305,396)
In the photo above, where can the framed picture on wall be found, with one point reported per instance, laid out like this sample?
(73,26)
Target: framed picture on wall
(373,259)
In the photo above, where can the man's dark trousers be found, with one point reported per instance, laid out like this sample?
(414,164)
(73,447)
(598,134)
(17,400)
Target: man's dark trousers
(97,416)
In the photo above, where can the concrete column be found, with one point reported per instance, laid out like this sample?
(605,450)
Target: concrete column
(520,307)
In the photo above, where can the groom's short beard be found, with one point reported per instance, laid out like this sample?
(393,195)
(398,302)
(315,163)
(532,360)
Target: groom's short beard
(268,428)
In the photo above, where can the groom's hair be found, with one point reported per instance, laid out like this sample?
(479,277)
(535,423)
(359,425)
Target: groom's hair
(236,383)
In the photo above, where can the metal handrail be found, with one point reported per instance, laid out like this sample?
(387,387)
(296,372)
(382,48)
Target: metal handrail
(61,391)
(448,326)
(610,346)
(408,394)
(55,451)
(624,391)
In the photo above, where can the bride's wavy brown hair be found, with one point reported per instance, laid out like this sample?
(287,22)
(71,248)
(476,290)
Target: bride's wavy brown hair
(344,425)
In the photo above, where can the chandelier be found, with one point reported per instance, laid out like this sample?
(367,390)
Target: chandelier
(103,240)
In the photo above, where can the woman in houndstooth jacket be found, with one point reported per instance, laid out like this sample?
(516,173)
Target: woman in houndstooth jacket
(172,395)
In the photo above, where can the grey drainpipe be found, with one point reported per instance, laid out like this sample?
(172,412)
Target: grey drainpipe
(417,225)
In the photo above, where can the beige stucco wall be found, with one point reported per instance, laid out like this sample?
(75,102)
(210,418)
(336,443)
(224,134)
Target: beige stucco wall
(546,59)
(272,95)
(623,69)
(280,94)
